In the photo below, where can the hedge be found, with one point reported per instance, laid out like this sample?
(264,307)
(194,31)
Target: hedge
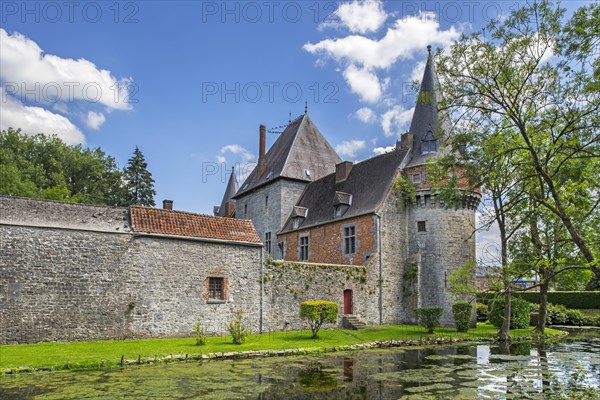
(581,300)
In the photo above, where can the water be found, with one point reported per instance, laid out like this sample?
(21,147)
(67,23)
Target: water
(462,372)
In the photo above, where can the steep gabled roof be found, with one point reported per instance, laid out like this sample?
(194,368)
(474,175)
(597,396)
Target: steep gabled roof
(179,223)
(427,121)
(300,148)
(230,191)
(368,183)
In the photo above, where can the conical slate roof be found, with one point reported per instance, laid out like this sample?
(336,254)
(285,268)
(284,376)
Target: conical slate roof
(427,126)
(230,191)
(300,153)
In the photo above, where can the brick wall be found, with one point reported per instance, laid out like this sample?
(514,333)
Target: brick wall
(326,242)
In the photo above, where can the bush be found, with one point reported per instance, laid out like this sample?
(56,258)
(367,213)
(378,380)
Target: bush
(200,330)
(582,300)
(461,310)
(238,332)
(482,312)
(429,317)
(519,313)
(575,317)
(316,312)
(556,314)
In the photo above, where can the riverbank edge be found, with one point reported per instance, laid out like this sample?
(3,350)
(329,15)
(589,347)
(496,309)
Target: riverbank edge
(245,354)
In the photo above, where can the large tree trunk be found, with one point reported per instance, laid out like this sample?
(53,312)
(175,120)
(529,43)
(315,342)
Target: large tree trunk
(505,329)
(541,323)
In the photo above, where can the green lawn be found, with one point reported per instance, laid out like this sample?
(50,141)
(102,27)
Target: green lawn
(91,354)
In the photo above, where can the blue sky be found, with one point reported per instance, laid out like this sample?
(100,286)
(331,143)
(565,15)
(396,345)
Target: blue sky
(189,82)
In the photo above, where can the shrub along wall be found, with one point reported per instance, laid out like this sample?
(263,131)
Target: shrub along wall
(582,300)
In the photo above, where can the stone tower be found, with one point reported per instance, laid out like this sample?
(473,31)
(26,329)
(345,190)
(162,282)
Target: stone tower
(227,207)
(299,156)
(441,239)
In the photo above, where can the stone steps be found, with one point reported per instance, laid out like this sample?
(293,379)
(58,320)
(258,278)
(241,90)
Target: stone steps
(353,322)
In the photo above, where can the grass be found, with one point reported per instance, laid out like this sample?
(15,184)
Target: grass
(56,355)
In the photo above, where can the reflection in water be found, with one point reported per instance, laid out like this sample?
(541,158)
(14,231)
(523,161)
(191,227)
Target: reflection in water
(466,372)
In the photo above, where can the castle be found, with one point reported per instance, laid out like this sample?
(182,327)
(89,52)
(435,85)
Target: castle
(304,225)
(309,206)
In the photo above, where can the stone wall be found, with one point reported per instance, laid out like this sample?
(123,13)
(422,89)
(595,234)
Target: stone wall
(287,284)
(59,284)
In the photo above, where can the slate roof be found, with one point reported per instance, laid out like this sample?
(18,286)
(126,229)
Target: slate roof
(230,191)
(368,182)
(426,116)
(179,223)
(300,148)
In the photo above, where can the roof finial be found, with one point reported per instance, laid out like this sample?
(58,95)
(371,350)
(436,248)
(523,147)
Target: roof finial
(429,49)
(290,118)
(305,106)
(233,170)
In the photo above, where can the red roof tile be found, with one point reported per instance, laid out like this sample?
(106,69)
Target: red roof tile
(168,222)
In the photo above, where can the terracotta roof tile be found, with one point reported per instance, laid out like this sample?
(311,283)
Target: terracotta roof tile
(169,222)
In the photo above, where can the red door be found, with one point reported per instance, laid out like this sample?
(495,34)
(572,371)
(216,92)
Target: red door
(347,301)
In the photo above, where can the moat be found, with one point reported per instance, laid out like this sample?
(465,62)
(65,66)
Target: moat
(524,370)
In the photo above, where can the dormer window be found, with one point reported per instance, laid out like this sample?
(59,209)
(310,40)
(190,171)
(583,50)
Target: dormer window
(298,216)
(341,203)
(429,143)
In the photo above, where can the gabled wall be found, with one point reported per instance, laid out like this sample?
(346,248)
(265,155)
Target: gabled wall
(283,195)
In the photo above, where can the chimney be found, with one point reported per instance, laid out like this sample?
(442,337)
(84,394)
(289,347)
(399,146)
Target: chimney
(262,145)
(342,170)
(167,204)
(230,209)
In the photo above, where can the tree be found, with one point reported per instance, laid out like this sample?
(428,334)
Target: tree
(549,115)
(138,180)
(42,166)
(527,124)
(317,312)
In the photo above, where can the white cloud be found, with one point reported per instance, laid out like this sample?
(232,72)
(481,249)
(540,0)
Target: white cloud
(406,36)
(33,120)
(25,67)
(417,71)
(349,148)
(366,115)
(221,159)
(395,121)
(95,120)
(238,150)
(383,150)
(364,83)
(361,16)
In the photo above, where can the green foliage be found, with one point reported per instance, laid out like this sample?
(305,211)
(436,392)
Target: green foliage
(462,281)
(45,167)
(581,300)
(237,330)
(317,312)
(405,188)
(138,180)
(461,310)
(429,317)
(482,312)
(519,313)
(200,330)
(573,280)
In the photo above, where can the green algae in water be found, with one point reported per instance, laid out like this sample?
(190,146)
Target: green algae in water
(428,388)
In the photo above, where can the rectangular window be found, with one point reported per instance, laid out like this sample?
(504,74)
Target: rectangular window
(282,249)
(266,201)
(245,210)
(349,240)
(416,178)
(215,288)
(421,227)
(268,242)
(303,256)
